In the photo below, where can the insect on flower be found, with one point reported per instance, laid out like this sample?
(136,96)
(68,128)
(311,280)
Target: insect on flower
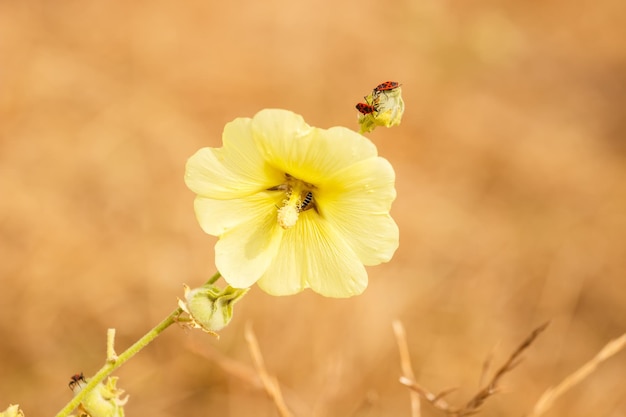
(383,88)
(386,86)
(306,203)
(366,108)
(382,107)
(372,101)
(76,379)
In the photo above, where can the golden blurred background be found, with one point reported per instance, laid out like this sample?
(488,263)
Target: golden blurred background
(511,179)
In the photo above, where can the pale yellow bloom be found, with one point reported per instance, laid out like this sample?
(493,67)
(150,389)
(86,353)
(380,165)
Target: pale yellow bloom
(294,206)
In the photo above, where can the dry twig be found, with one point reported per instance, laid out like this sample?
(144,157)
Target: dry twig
(405,365)
(552,393)
(436,400)
(487,366)
(269,382)
(473,405)
(492,387)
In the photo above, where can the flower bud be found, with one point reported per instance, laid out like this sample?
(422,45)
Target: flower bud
(209,307)
(389,110)
(104,400)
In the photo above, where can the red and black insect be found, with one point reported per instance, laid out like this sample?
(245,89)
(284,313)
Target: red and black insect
(386,86)
(371,108)
(76,379)
(366,108)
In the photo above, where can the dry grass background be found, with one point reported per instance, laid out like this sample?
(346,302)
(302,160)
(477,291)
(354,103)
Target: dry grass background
(511,179)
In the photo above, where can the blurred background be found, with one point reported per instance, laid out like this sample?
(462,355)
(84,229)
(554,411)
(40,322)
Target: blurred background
(511,180)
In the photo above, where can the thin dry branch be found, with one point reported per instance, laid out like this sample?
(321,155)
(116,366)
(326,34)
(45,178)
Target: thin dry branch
(474,404)
(405,365)
(269,382)
(487,366)
(436,400)
(492,387)
(552,393)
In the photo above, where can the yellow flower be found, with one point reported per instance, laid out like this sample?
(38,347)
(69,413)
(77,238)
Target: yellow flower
(294,206)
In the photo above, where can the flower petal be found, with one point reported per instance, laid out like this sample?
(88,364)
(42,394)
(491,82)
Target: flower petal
(243,253)
(357,202)
(307,153)
(314,255)
(216,217)
(233,171)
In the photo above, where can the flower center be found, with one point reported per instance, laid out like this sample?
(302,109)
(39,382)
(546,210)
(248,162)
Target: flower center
(298,198)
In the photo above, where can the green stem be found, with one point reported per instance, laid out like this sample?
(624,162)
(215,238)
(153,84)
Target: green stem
(214,278)
(109,367)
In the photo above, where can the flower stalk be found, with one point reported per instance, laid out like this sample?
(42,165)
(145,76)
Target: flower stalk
(112,364)
(109,367)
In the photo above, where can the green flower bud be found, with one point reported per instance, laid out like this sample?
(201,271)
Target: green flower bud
(209,307)
(12,411)
(104,400)
(389,110)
